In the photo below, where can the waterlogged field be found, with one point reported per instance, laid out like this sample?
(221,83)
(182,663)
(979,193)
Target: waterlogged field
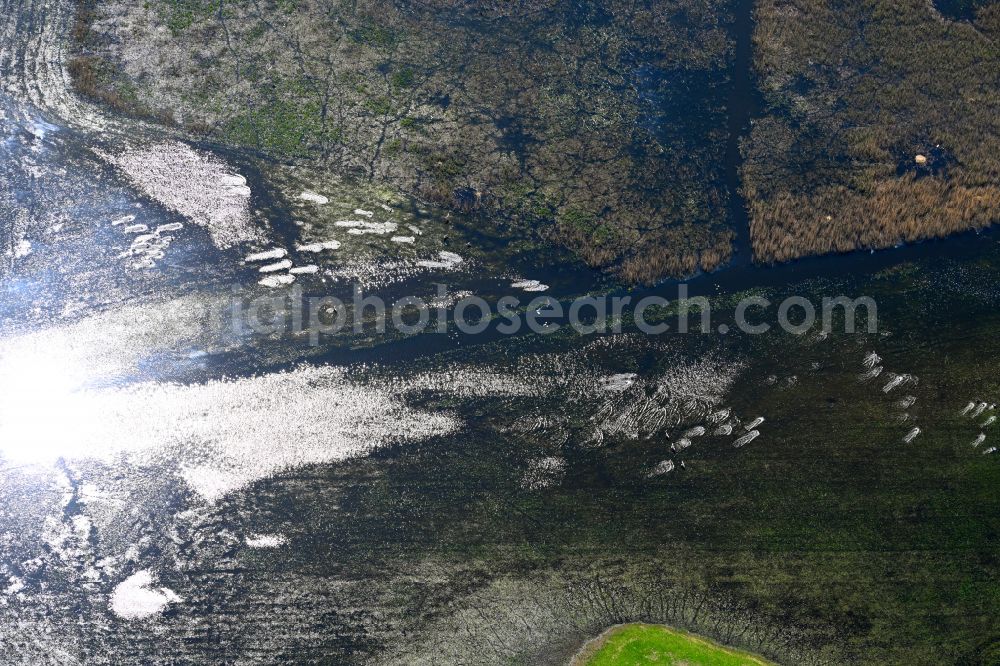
(217,495)
(645,644)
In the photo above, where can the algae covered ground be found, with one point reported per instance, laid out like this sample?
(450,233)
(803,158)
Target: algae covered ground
(636,644)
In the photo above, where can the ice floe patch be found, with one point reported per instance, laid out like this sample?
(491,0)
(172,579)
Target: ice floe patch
(267,255)
(135,598)
(275,267)
(195,184)
(315,198)
(746,439)
(362,227)
(662,468)
(316,248)
(266,540)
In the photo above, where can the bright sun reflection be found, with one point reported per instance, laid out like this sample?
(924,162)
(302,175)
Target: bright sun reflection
(43,405)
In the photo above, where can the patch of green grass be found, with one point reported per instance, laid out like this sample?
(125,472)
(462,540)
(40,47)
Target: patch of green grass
(404,78)
(281,127)
(650,644)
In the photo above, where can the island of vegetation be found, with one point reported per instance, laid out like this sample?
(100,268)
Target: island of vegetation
(653,644)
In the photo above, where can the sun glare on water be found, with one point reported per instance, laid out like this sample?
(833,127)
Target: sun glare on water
(44,406)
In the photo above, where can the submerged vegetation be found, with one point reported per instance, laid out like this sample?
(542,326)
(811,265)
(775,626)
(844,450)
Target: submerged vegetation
(881,126)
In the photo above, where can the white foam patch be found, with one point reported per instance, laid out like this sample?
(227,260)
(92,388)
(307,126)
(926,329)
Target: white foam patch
(363,213)
(305,270)
(312,197)
(403,239)
(273,281)
(266,540)
(197,185)
(22,249)
(135,598)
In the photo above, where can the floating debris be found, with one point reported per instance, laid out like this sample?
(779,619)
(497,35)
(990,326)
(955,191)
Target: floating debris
(664,467)
(319,247)
(912,435)
(311,196)
(746,439)
(274,268)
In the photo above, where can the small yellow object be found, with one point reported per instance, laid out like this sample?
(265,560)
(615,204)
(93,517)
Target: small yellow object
(921,160)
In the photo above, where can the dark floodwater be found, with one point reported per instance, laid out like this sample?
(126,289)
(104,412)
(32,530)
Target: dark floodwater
(961,9)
